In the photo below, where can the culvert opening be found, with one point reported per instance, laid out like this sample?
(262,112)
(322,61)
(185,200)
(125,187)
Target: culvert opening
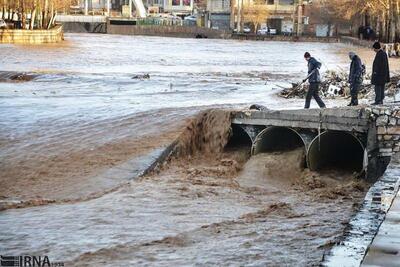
(335,150)
(275,139)
(239,139)
(239,145)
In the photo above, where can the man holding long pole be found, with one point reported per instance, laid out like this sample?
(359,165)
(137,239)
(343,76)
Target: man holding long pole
(314,78)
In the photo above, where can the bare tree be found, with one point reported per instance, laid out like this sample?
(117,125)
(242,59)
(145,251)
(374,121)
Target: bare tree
(42,12)
(255,12)
(383,14)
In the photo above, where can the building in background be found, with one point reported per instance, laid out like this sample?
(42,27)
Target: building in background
(323,22)
(282,15)
(178,7)
(94,7)
(218,14)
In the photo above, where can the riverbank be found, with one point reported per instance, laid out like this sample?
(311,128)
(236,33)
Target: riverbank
(284,38)
(31,37)
(385,248)
(166,31)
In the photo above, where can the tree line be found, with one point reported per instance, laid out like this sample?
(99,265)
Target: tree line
(382,15)
(33,14)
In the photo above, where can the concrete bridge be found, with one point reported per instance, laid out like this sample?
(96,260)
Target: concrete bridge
(357,140)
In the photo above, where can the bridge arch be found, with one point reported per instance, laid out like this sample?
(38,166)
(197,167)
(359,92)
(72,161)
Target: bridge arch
(239,138)
(277,138)
(336,150)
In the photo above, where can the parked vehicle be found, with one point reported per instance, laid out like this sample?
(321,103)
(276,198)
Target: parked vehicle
(3,24)
(169,16)
(246,29)
(263,31)
(272,31)
(191,18)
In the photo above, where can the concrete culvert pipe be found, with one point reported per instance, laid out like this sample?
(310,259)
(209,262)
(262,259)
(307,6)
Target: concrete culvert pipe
(239,138)
(277,139)
(335,150)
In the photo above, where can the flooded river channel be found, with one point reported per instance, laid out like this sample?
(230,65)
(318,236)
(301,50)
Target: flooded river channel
(72,138)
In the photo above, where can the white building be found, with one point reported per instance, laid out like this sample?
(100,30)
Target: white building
(178,7)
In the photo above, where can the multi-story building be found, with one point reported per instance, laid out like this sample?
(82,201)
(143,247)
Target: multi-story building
(323,22)
(282,15)
(178,7)
(218,13)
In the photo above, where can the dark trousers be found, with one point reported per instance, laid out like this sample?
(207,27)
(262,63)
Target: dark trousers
(313,92)
(354,89)
(379,94)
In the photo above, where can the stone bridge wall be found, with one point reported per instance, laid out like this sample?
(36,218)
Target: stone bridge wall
(377,129)
(387,122)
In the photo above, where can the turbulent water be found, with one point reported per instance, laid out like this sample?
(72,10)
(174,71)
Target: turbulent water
(90,77)
(84,113)
(87,113)
(203,211)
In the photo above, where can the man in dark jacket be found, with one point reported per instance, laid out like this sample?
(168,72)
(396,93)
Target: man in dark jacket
(314,78)
(355,77)
(380,73)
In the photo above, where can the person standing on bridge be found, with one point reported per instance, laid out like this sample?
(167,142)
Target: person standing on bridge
(314,78)
(380,73)
(355,77)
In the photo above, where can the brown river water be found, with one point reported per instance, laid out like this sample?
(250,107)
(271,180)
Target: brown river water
(72,139)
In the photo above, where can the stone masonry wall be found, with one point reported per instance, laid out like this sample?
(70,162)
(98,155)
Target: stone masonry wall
(12,36)
(387,121)
(171,31)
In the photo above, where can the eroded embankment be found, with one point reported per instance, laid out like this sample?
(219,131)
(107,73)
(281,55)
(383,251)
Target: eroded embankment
(231,209)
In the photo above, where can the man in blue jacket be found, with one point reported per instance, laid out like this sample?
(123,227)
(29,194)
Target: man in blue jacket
(380,73)
(314,78)
(355,77)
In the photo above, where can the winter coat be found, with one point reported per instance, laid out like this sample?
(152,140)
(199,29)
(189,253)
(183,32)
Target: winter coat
(380,69)
(356,69)
(313,67)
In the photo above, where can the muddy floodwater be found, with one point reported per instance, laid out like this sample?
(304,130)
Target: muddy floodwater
(72,138)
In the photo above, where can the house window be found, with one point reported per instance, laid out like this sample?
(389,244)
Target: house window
(176,2)
(270,2)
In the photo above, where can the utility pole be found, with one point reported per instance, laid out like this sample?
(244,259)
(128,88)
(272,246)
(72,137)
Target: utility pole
(86,7)
(232,17)
(108,8)
(300,18)
(239,16)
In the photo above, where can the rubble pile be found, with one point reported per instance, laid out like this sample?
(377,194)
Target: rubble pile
(335,84)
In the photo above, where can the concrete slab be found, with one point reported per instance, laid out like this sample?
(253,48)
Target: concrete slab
(330,119)
(357,239)
(385,248)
